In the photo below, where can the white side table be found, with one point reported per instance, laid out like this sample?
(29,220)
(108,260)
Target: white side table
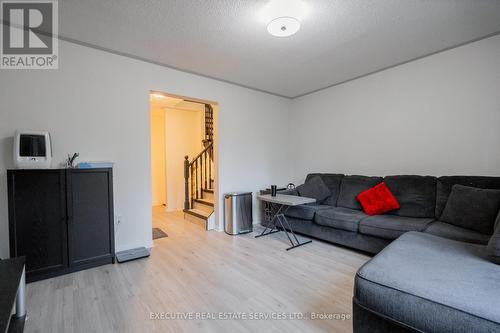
(283,202)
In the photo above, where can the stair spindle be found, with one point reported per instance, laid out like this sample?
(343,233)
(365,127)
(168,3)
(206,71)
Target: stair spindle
(186,182)
(201,176)
(196,178)
(205,157)
(192,184)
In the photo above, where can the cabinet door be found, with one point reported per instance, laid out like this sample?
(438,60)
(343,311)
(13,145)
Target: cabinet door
(37,219)
(90,216)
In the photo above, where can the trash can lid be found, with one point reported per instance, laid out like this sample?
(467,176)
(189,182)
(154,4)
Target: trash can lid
(235,194)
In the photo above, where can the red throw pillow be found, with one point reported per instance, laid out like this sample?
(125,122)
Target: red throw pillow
(378,200)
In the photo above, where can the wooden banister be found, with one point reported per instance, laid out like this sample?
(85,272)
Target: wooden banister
(197,175)
(207,148)
(198,171)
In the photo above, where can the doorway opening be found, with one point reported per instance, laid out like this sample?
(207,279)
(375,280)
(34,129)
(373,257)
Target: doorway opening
(184,157)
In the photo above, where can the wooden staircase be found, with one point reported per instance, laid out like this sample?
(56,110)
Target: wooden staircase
(202,210)
(198,180)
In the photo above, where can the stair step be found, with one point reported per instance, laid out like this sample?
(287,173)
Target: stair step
(208,195)
(200,217)
(206,202)
(203,204)
(198,213)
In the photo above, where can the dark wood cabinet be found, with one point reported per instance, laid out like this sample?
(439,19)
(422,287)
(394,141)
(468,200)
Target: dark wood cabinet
(37,215)
(61,219)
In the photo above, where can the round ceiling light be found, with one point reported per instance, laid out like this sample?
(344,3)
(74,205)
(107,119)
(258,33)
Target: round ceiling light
(283,26)
(283,17)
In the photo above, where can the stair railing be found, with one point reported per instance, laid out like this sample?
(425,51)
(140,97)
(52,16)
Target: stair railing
(209,124)
(197,175)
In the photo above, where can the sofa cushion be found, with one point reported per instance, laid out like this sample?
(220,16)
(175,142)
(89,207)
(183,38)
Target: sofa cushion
(451,231)
(432,284)
(338,236)
(305,212)
(332,181)
(472,208)
(352,186)
(340,218)
(391,226)
(415,194)
(378,200)
(444,185)
(315,188)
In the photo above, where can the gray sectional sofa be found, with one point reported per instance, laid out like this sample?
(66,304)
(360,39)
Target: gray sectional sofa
(437,264)
(426,283)
(339,218)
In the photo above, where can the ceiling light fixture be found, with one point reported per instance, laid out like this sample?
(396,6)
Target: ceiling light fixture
(283,17)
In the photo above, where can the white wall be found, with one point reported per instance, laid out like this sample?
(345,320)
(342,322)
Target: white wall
(183,137)
(158,168)
(439,115)
(97,104)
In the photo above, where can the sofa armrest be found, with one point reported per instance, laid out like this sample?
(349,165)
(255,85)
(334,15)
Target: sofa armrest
(494,243)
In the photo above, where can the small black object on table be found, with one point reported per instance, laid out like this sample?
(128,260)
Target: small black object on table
(281,203)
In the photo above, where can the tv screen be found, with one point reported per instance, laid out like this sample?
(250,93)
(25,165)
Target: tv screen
(32,145)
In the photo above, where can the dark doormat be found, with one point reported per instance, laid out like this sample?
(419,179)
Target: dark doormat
(158,233)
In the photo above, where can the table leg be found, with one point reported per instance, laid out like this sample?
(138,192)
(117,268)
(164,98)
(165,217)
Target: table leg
(21,296)
(289,229)
(280,218)
(299,244)
(273,228)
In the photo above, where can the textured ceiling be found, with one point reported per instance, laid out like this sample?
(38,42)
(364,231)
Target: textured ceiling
(339,39)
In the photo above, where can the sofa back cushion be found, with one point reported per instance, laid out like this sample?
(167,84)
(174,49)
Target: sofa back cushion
(444,185)
(472,208)
(315,188)
(415,194)
(352,186)
(332,181)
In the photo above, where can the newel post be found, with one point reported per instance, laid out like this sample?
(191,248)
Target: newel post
(186,182)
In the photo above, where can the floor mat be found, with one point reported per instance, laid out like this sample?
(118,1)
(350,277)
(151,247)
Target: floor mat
(158,233)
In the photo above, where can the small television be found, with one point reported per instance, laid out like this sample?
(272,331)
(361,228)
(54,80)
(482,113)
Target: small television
(32,150)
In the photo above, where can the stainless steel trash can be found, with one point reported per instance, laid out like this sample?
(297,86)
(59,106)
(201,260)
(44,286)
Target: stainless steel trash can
(238,213)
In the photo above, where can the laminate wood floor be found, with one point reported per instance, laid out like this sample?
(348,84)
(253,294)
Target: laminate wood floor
(193,272)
